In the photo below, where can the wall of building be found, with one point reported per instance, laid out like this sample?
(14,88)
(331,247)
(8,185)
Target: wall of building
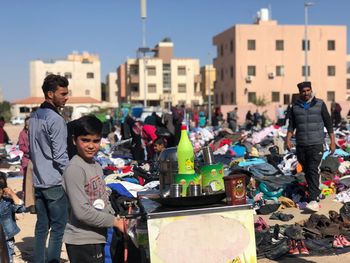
(208,76)
(76,70)
(265,57)
(112,89)
(135,82)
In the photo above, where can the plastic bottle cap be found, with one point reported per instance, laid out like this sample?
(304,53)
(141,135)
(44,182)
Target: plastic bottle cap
(183,127)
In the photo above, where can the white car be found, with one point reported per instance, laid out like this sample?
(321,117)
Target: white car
(19,120)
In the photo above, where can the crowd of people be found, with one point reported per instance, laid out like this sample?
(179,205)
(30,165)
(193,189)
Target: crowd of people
(64,185)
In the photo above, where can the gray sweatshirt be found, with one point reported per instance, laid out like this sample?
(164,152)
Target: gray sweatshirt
(87,219)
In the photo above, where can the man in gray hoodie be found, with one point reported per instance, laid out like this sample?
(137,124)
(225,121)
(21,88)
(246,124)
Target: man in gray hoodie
(48,152)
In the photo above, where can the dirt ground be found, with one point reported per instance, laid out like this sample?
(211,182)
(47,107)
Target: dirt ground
(25,239)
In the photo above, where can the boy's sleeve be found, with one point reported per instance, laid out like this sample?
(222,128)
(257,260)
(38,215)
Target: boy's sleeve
(74,184)
(19,208)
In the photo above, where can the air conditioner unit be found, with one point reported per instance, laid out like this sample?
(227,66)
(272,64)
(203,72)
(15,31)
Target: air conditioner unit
(249,78)
(271,75)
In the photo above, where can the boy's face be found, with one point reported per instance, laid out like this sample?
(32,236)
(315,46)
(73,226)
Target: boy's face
(158,148)
(87,146)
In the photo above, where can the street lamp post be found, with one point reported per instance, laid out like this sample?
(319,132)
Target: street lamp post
(209,96)
(144,49)
(306,44)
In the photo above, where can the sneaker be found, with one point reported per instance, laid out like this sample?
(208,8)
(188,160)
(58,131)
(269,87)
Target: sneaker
(302,248)
(344,241)
(337,243)
(31,209)
(313,206)
(293,250)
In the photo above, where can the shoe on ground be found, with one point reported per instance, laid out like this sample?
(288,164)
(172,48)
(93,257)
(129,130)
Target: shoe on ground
(337,243)
(293,250)
(313,206)
(344,241)
(31,209)
(302,248)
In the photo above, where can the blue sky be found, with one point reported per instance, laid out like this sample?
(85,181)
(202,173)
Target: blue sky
(48,29)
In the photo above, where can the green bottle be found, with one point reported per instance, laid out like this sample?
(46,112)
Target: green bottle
(185,154)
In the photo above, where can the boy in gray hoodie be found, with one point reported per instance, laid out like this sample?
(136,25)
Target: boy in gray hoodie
(90,213)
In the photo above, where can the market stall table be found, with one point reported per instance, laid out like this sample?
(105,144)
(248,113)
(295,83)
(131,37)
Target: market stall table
(209,233)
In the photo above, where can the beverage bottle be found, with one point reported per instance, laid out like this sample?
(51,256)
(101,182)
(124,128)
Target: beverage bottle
(185,153)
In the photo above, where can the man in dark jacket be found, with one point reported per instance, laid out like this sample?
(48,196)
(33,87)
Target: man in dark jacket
(308,117)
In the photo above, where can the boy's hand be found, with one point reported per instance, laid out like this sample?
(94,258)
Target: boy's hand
(121,224)
(9,192)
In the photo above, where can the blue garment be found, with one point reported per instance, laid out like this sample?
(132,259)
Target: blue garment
(7,218)
(120,189)
(48,146)
(262,169)
(251,162)
(239,150)
(51,208)
(306,105)
(202,119)
(8,222)
(338,152)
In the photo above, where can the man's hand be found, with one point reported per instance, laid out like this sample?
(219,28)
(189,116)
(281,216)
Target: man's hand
(289,144)
(332,147)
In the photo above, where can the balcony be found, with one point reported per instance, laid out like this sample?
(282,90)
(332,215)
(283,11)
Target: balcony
(198,78)
(135,95)
(134,79)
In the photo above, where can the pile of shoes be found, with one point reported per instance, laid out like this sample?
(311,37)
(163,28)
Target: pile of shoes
(340,242)
(297,247)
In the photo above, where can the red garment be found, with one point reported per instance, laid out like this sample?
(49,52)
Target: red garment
(224,142)
(149,136)
(149,132)
(2,132)
(23,145)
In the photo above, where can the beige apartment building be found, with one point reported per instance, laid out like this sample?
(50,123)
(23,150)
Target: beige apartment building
(83,73)
(162,78)
(111,92)
(208,75)
(265,61)
(348,78)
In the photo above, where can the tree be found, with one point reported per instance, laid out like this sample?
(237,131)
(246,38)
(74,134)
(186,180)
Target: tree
(5,110)
(260,101)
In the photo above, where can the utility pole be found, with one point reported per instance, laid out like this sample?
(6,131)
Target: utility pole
(144,49)
(306,44)
(209,95)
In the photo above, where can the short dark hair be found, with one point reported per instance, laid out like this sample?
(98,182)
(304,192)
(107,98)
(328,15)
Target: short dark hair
(3,180)
(52,82)
(160,141)
(87,125)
